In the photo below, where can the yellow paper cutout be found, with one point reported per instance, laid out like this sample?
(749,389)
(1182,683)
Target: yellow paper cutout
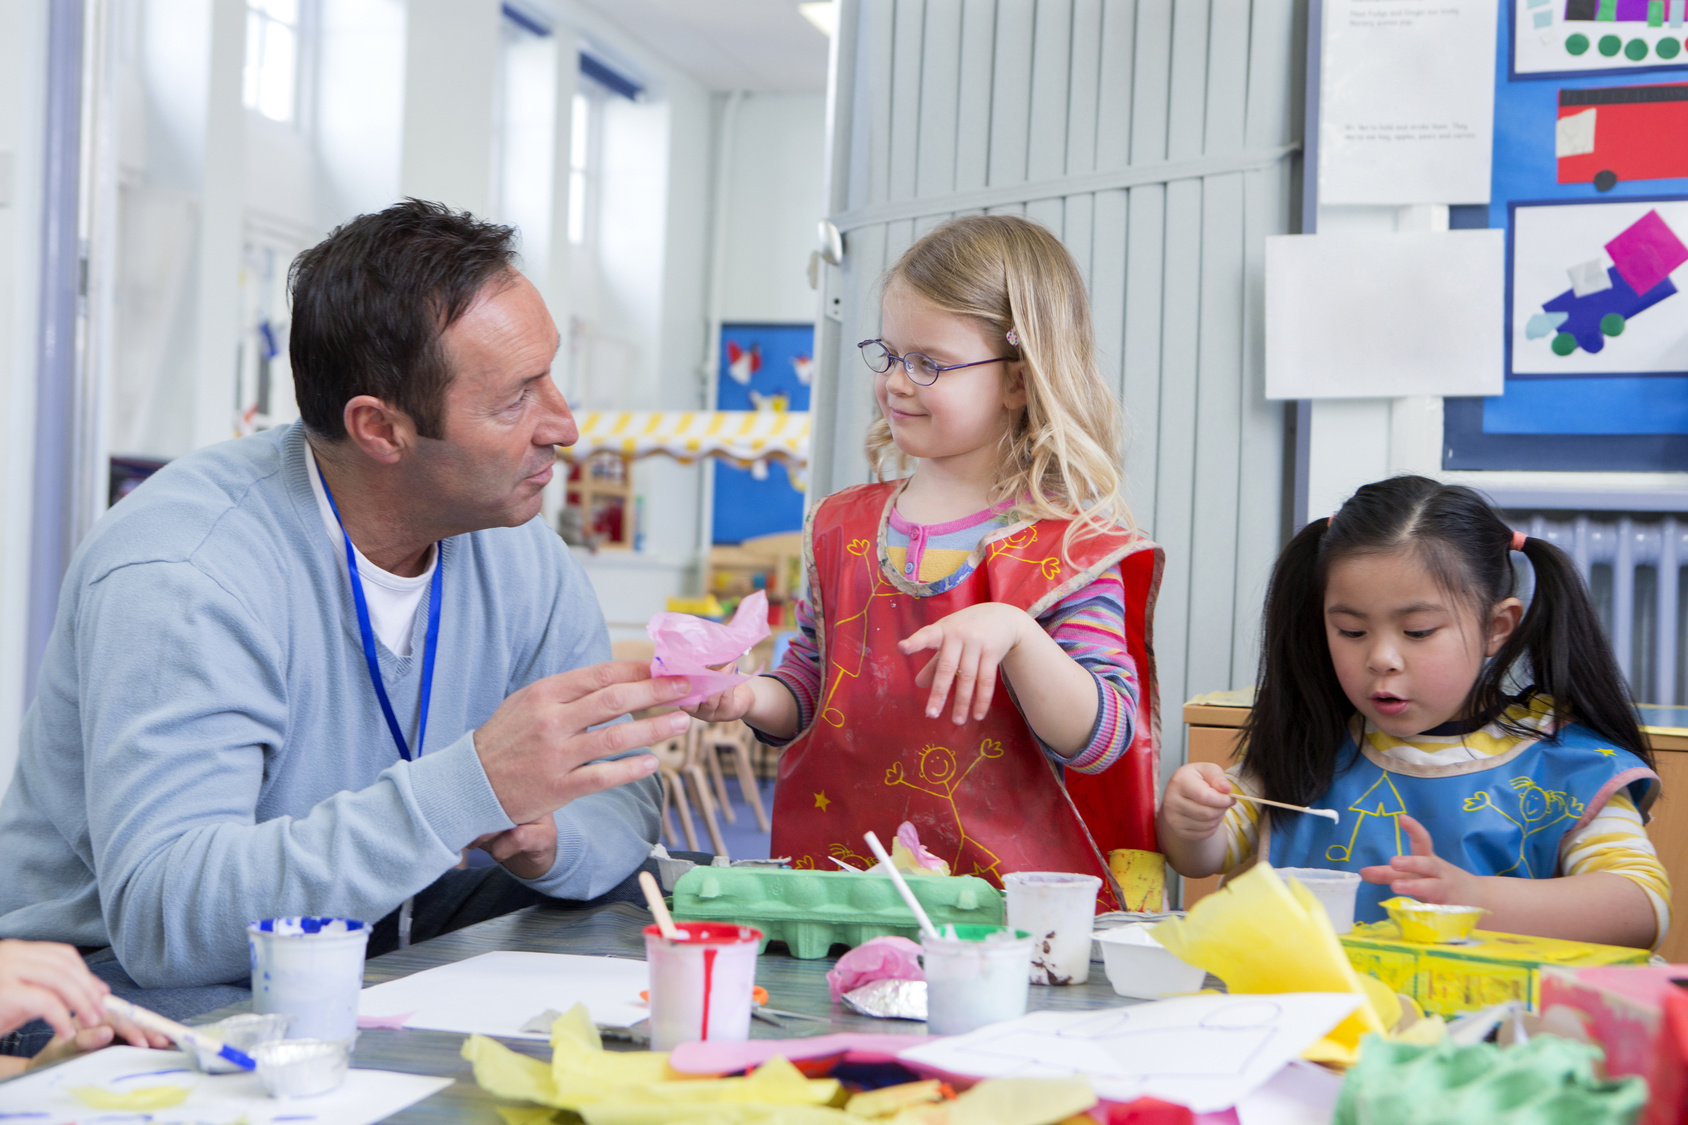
(894,1099)
(147,1097)
(1259,935)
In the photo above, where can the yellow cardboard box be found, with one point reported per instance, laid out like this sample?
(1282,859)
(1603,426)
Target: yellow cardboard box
(1493,968)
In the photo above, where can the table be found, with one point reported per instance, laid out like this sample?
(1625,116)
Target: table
(616,930)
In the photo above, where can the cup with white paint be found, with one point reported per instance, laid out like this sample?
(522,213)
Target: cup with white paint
(701,982)
(1059,911)
(1335,890)
(310,969)
(975,975)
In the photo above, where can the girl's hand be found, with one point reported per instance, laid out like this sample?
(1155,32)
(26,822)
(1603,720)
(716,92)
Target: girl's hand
(1196,800)
(971,644)
(1425,877)
(725,706)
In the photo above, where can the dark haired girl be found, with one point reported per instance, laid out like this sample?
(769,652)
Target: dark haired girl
(1389,674)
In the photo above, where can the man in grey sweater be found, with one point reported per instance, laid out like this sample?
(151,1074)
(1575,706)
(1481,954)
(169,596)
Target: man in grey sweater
(300,672)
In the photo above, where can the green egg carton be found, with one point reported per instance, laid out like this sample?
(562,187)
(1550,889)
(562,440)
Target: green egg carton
(811,911)
(1546,1081)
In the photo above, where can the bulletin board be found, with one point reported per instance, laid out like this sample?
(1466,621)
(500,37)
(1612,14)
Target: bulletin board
(763,367)
(1590,184)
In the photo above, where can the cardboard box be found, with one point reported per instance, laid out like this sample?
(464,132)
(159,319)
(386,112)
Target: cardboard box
(1494,968)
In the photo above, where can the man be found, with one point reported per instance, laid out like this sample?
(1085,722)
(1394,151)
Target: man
(233,724)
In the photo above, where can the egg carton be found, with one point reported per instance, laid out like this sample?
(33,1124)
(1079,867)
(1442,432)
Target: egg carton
(811,911)
(1546,1081)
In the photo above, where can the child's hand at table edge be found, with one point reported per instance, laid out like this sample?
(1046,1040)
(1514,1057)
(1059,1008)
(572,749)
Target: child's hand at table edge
(725,706)
(1196,799)
(971,645)
(1424,876)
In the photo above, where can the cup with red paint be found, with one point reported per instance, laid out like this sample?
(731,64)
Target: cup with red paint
(701,982)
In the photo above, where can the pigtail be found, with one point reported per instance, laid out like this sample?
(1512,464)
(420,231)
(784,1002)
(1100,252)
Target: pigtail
(1562,645)
(1300,715)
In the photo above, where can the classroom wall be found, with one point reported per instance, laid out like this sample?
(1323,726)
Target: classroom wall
(776,195)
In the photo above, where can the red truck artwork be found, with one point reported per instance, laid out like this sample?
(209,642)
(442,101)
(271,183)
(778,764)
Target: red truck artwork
(1622,133)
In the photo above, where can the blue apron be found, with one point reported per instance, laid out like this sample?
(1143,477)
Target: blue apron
(1500,815)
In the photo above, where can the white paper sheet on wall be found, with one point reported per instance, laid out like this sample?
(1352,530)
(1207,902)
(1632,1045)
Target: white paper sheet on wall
(1385,315)
(1406,101)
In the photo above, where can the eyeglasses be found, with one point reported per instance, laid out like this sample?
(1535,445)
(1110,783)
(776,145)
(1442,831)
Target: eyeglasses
(921,369)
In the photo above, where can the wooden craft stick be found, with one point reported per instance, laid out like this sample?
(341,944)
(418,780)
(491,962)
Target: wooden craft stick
(653,899)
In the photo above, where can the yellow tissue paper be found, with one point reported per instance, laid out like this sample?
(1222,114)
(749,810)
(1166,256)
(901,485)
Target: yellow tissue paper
(1261,935)
(892,1099)
(147,1097)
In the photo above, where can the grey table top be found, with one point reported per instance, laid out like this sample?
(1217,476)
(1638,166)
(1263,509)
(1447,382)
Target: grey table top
(794,985)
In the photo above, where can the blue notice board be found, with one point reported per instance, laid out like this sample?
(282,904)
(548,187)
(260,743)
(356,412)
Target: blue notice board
(763,366)
(1590,183)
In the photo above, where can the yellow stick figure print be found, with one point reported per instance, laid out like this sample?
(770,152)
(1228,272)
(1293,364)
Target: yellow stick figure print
(1538,810)
(1373,802)
(938,778)
(846,652)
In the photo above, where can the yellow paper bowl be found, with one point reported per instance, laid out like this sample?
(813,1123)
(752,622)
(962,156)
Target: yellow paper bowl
(1431,923)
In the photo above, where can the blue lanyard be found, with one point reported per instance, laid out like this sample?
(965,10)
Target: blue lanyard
(368,632)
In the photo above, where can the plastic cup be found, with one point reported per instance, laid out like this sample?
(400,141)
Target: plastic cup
(976,977)
(1335,891)
(312,970)
(701,983)
(1059,911)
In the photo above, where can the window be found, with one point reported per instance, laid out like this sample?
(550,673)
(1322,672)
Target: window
(272,57)
(580,170)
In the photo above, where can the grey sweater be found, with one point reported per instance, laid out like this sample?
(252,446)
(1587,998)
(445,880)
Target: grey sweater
(205,748)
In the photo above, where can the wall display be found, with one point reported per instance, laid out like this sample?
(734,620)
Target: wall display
(763,367)
(1407,103)
(1554,38)
(1590,186)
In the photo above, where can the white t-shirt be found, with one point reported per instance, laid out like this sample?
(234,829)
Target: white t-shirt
(393,599)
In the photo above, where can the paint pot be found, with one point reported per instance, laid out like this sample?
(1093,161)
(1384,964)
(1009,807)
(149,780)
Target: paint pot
(312,970)
(701,983)
(1059,911)
(976,975)
(1335,891)
(1140,967)
(242,1032)
(301,1068)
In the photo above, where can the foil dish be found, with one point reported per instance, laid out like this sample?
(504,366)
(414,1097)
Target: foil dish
(242,1032)
(889,1000)
(301,1068)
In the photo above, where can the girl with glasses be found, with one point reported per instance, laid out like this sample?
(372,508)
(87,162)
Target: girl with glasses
(972,655)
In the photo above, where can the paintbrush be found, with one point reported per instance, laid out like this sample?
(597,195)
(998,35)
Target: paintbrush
(653,899)
(183,1035)
(1330,814)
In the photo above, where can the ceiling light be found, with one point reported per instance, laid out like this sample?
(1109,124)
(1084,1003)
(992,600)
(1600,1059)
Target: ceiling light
(822,13)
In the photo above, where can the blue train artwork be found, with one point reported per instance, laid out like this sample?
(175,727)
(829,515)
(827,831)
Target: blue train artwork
(1603,299)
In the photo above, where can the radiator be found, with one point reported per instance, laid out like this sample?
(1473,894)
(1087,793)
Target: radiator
(1634,569)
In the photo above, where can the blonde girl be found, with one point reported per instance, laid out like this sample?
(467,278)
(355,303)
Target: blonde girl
(973,653)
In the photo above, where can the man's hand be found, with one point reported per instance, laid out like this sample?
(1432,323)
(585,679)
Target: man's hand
(526,851)
(46,980)
(1423,875)
(539,750)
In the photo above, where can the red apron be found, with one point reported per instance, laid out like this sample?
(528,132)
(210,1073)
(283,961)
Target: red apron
(983,795)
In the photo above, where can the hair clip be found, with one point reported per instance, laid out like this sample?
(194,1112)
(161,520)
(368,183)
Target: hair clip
(1013,338)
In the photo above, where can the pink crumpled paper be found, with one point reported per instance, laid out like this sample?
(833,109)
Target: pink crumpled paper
(694,646)
(880,958)
(909,838)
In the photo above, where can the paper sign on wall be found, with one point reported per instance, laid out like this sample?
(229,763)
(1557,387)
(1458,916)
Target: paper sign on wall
(1385,315)
(1406,107)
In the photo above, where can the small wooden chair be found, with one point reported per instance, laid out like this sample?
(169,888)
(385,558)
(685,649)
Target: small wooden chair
(738,739)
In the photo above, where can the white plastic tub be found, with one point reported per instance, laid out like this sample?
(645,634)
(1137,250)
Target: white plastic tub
(1140,967)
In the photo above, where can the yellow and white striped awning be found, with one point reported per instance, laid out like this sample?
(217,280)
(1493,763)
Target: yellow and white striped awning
(744,436)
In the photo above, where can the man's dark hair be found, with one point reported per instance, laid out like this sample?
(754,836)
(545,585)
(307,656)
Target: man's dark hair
(371,301)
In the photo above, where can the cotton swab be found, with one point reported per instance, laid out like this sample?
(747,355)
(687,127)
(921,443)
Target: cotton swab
(183,1035)
(1331,814)
(653,899)
(926,925)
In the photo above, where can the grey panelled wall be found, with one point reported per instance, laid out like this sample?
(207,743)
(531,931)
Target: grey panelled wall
(1173,120)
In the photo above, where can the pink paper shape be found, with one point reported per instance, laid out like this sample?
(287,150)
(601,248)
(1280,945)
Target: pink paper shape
(880,958)
(1646,252)
(910,839)
(716,1056)
(693,646)
(384,1023)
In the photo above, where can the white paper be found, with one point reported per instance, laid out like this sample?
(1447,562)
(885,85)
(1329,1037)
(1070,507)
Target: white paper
(1302,1093)
(496,993)
(1546,242)
(217,1099)
(1574,135)
(1406,101)
(1544,38)
(1386,315)
(1206,1052)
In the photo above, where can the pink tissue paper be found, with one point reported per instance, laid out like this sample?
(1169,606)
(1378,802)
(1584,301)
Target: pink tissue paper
(694,646)
(384,1023)
(910,839)
(880,958)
